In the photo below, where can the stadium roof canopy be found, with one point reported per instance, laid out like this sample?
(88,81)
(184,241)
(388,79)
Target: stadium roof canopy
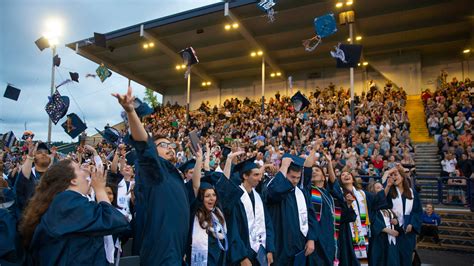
(431,27)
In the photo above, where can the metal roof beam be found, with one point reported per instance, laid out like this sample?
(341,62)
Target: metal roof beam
(120,70)
(169,51)
(249,37)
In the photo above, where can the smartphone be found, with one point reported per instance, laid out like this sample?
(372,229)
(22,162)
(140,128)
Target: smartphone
(194,138)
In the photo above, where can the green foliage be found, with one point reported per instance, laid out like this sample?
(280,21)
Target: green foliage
(150,98)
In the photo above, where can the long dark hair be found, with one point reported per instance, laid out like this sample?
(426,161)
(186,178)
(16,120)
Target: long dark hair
(406,187)
(55,180)
(204,215)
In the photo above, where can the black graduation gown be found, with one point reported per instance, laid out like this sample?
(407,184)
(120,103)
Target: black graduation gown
(346,253)
(72,230)
(24,188)
(406,242)
(163,201)
(280,198)
(381,251)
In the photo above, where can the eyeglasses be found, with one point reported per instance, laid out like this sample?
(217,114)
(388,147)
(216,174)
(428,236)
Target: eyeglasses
(166,145)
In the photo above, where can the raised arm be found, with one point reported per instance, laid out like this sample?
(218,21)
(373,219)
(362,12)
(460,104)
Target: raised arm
(386,176)
(228,162)
(197,171)
(207,159)
(136,128)
(332,174)
(28,163)
(115,160)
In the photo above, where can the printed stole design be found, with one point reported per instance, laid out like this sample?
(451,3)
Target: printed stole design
(360,241)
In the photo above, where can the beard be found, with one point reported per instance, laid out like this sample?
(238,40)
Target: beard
(42,163)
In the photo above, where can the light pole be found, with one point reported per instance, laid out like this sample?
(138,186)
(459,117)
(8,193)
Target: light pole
(348,17)
(50,40)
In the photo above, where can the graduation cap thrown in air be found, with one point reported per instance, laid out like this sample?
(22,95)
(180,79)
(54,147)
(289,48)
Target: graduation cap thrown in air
(57,60)
(100,40)
(110,134)
(74,76)
(12,93)
(299,101)
(42,43)
(142,109)
(103,72)
(325,25)
(187,165)
(57,107)
(351,55)
(189,56)
(73,126)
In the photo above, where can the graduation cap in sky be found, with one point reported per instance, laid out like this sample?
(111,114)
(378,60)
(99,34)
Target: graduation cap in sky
(42,43)
(189,56)
(9,139)
(57,107)
(142,108)
(103,72)
(325,25)
(12,93)
(56,60)
(100,40)
(350,53)
(73,126)
(74,76)
(187,166)
(299,101)
(111,135)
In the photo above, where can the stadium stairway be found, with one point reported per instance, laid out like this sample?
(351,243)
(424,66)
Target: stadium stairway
(416,115)
(428,169)
(456,231)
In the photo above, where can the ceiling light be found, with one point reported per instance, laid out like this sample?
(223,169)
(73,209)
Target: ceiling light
(348,39)
(183,66)
(278,74)
(227,27)
(339,4)
(145,45)
(151,44)
(272,75)
(203,84)
(358,38)
(365,63)
(235,25)
(358,64)
(208,83)
(253,54)
(349,3)
(466,51)
(178,67)
(260,53)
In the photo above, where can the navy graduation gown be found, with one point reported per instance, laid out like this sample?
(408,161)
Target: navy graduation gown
(406,242)
(164,208)
(72,230)
(381,251)
(280,198)
(8,238)
(346,253)
(241,224)
(24,188)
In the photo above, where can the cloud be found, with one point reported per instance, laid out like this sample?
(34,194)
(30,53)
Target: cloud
(22,64)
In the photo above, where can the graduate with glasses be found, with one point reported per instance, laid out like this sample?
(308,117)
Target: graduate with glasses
(162,213)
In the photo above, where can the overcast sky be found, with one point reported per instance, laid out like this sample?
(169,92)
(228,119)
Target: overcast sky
(24,66)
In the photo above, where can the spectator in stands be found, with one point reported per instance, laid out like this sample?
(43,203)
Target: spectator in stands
(430,223)
(449,165)
(433,124)
(456,187)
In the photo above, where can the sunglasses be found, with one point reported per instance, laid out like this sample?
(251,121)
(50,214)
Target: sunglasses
(166,145)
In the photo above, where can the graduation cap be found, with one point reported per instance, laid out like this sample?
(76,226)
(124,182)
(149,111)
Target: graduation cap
(100,40)
(242,167)
(187,165)
(189,56)
(325,25)
(299,101)
(42,43)
(351,54)
(57,107)
(297,161)
(131,157)
(74,76)
(12,93)
(225,151)
(43,146)
(56,60)
(110,134)
(73,126)
(142,108)
(103,72)
(9,139)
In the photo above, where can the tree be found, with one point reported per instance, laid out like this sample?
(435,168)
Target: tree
(150,98)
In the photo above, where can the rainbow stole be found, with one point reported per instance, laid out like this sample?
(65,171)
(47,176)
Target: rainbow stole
(317,201)
(337,221)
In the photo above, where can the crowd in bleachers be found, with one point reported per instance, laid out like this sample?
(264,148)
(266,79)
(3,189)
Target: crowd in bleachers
(338,149)
(449,118)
